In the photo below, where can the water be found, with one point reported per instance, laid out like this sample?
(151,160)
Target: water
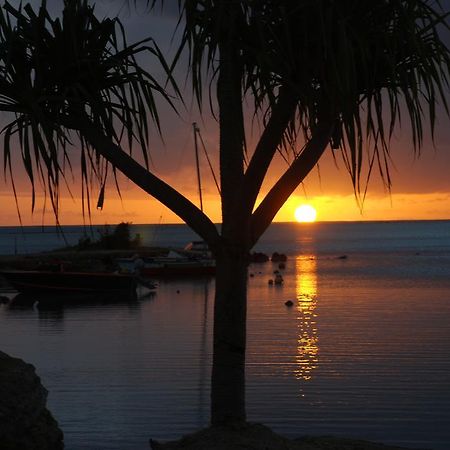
(290,238)
(25,240)
(364,352)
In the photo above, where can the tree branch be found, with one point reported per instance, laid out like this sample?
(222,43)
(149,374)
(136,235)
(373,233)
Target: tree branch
(282,113)
(285,186)
(151,184)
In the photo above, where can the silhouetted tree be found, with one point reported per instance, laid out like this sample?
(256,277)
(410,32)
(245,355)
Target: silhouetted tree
(333,74)
(119,238)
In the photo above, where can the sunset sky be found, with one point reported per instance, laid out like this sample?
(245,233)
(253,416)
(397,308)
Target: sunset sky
(421,185)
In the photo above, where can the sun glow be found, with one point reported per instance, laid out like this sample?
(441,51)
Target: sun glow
(305,213)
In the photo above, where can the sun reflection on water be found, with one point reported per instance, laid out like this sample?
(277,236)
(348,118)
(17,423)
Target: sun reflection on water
(307,357)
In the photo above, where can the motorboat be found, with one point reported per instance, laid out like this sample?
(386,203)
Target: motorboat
(173,264)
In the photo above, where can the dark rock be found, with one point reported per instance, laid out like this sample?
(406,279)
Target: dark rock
(278,257)
(289,303)
(259,257)
(282,265)
(342,257)
(245,436)
(278,279)
(25,422)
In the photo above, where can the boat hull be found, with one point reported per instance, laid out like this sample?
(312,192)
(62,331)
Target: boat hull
(177,270)
(42,282)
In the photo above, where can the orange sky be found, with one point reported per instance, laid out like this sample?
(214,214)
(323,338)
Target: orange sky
(421,187)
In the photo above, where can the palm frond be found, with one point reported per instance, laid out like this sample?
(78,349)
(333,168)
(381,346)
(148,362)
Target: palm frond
(362,61)
(55,71)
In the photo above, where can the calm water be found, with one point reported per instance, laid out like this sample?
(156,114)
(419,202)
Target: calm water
(364,352)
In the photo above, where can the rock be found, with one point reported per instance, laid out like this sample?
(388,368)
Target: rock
(289,303)
(278,257)
(259,257)
(278,279)
(246,436)
(25,422)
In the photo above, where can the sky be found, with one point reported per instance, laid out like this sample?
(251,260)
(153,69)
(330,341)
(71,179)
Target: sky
(420,184)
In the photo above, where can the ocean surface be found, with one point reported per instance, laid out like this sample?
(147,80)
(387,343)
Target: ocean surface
(364,352)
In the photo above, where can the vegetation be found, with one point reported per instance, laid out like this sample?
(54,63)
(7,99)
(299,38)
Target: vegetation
(334,75)
(118,239)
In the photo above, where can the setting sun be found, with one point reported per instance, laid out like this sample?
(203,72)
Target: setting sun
(305,213)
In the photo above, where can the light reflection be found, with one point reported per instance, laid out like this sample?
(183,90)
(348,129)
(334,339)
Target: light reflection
(307,357)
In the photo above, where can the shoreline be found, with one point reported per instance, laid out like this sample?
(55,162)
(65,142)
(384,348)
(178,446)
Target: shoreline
(72,260)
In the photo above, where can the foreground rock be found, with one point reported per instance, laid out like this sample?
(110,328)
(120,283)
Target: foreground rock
(259,437)
(25,422)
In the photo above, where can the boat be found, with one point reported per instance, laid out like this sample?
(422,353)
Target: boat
(36,282)
(179,266)
(198,249)
(174,264)
(195,260)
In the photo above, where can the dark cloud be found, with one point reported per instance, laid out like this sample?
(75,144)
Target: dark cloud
(126,8)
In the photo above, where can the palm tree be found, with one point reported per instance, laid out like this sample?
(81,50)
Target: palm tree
(320,74)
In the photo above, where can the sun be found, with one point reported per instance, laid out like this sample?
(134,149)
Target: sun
(305,213)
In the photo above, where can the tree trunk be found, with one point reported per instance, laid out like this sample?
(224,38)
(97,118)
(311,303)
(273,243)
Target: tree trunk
(230,309)
(228,374)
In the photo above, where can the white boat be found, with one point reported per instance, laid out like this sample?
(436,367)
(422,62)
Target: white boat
(195,260)
(174,264)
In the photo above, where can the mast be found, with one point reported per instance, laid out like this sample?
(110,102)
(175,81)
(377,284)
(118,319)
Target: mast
(196,130)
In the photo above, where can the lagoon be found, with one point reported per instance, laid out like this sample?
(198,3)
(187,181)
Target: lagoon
(364,352)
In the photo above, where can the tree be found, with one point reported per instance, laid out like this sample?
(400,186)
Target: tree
(319,74)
